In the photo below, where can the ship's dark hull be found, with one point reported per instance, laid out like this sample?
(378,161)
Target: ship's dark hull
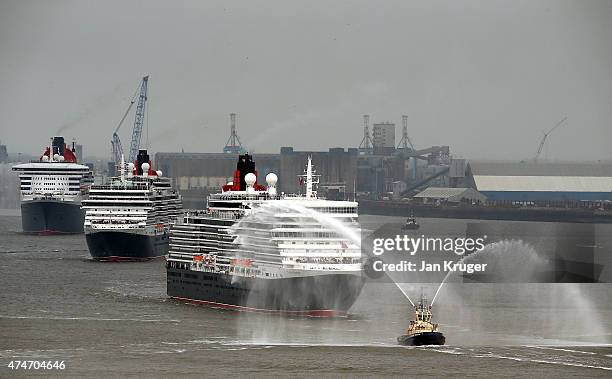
(426,338)
(318,296)
(51,217)
(124,246)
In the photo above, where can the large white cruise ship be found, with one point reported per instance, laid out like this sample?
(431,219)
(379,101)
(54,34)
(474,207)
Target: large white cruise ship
(129,217)
(254,249)
(52,189)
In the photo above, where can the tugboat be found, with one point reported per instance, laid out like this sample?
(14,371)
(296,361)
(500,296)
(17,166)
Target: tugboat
(411,224)
(421,330)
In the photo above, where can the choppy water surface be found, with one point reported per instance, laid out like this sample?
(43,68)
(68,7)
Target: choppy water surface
(114,319)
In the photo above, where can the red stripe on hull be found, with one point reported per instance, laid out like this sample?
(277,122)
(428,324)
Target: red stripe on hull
(240,308)
(49,232)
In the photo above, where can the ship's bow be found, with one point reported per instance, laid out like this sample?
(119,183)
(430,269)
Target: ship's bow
(51,217)
(105,245)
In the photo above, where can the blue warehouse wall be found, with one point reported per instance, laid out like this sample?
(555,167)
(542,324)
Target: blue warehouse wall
(546,196)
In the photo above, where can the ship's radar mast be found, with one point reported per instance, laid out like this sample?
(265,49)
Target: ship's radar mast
(312,180)
(423,309)
(122,168)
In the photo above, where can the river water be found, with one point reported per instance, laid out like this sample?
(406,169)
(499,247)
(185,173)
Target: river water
(114,319)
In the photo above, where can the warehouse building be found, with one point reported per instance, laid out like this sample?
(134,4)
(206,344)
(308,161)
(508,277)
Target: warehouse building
(451,195)
(542,181)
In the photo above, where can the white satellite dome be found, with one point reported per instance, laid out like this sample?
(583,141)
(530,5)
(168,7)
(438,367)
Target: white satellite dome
(271,179)
(145,167)
(45,158)
(159,173)
(61,158)
(250,179)
(56,157)
(130,169)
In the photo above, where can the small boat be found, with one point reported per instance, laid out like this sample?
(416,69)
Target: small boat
(421,330)
(411,224)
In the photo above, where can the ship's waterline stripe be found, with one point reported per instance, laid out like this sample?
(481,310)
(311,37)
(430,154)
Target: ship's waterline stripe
(313,313)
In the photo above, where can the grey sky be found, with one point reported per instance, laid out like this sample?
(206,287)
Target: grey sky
(485,77)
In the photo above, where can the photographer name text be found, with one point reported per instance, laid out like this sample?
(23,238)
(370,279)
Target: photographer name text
(423,266)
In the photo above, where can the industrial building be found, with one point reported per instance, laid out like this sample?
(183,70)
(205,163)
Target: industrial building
(384,170)
(383,138)
(367,172)
(337,169)
(208,170)
(196,175)
(541,181)
(451,195)
(380,170)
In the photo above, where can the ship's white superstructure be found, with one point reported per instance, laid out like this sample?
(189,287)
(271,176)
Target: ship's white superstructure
(56,180)
(135,203)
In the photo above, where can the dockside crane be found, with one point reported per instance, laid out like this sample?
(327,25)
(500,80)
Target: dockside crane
(405,141)
(543,141)
(117,147)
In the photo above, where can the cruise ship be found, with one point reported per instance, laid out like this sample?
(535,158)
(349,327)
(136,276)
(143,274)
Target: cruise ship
(129,217)
(254,249)
(52,188)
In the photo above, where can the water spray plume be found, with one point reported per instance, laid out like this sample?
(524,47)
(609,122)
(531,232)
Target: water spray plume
(405,294)
(521,256)
(437,291)
(327,291)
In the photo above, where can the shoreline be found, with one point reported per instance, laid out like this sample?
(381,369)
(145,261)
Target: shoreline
(403,209)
